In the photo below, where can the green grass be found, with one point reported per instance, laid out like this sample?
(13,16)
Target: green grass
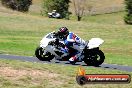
(37,75)
(111,18)
(20,34)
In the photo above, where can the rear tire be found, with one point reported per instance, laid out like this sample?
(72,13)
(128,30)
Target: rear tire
(43,57)
(50,16)
(96,59)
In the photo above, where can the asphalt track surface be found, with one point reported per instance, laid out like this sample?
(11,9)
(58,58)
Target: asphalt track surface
(34,59)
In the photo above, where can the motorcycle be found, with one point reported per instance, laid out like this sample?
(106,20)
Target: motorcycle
(54,14)
(52,46)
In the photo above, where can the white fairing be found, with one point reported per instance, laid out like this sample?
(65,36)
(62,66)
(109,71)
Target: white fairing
(44,42)
(55,16)
(46,39)
(49,13)
(95,42)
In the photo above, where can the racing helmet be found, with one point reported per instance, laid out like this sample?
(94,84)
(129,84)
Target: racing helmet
(63,32)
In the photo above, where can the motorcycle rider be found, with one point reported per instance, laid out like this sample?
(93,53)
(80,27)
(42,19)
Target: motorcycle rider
(54,12)
(72,42)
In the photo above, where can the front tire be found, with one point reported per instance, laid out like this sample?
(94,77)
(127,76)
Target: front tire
(50,16)
(43,57)
(96,59)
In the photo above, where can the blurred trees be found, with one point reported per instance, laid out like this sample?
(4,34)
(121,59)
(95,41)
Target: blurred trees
(61,6)
(79,8)
(128,17)
(19,5)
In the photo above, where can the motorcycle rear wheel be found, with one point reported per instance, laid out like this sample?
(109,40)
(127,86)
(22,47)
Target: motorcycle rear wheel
(43,57)
(96,59)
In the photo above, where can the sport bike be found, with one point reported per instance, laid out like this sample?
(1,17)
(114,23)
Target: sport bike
(54,14)
(51,47)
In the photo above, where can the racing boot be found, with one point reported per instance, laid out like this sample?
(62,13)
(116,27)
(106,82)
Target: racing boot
(77,58)
(73,60)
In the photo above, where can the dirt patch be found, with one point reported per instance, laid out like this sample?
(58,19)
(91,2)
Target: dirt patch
(10,72)
(36,76)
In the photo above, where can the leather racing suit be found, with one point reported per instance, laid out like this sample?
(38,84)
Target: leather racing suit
(72,41)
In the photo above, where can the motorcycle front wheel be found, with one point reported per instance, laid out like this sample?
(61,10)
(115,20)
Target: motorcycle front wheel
(39,53)
(95,59)
(50,16)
